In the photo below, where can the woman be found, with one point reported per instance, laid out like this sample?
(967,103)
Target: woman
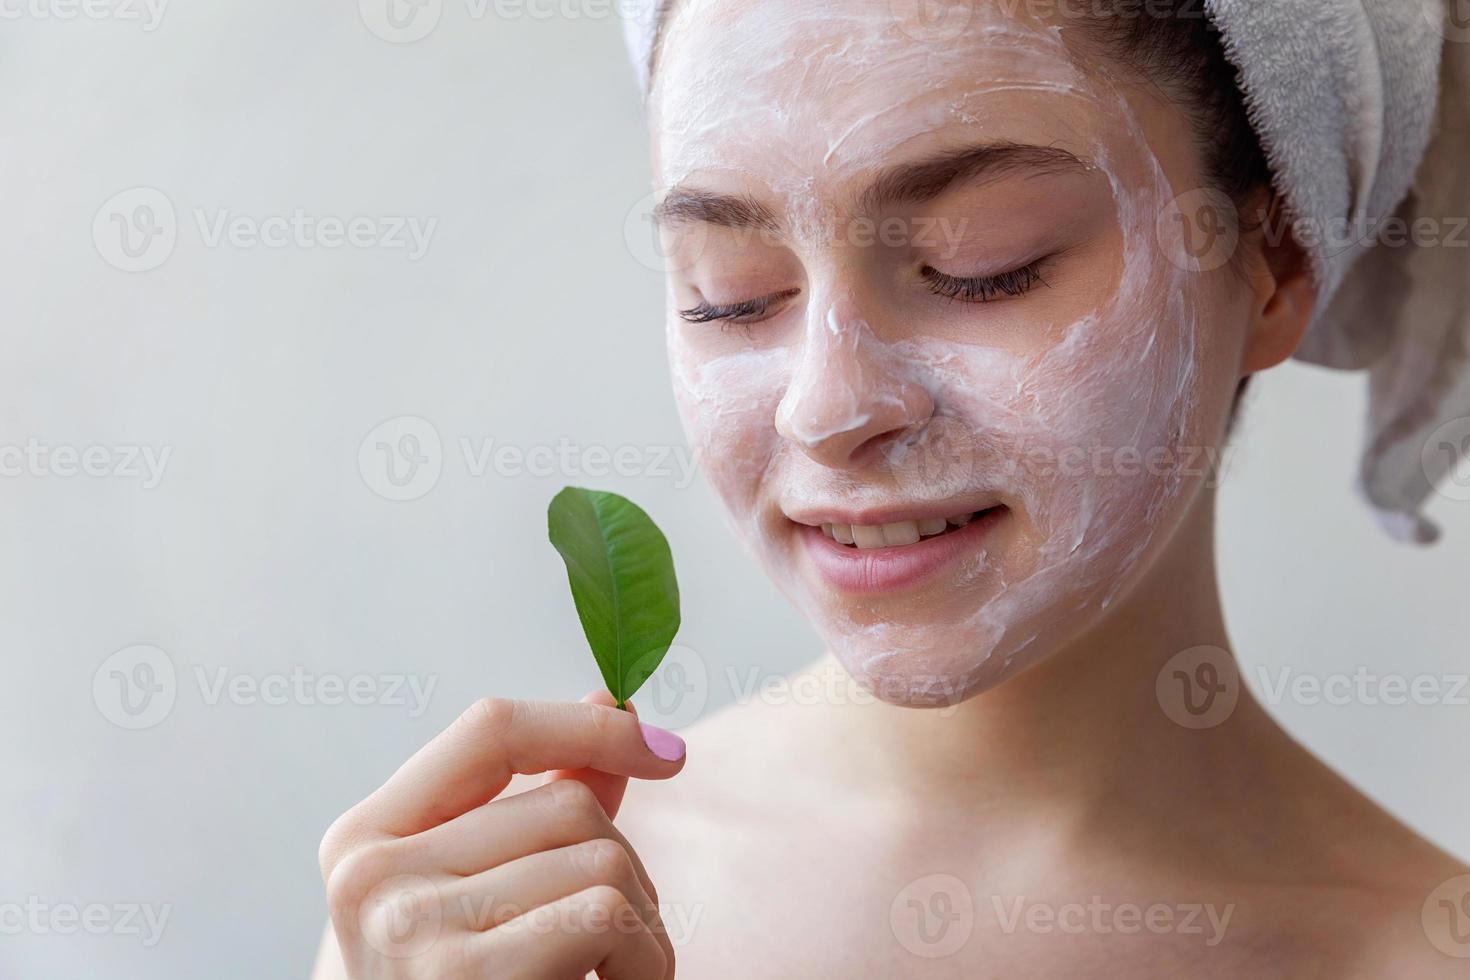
(957,308)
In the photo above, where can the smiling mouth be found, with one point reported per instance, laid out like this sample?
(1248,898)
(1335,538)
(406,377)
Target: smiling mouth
(895,556)
(898,534)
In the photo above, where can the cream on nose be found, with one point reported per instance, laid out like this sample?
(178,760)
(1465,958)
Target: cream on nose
(847,390)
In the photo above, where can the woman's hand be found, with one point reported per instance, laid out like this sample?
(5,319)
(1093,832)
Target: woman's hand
(433,877)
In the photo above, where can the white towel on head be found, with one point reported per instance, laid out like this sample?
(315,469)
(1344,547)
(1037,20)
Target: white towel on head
(1346,98)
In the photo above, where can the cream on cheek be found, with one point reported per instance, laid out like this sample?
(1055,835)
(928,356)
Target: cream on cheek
(1051,431)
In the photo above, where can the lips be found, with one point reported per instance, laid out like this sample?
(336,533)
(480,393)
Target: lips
(893,555)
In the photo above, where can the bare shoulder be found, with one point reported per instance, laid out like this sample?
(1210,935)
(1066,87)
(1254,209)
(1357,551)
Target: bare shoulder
(1349,876)
(1420,927)
(1418,911)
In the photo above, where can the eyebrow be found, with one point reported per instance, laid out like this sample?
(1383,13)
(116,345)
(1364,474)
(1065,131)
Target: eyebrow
(726,210)
(909,183)
(914,183)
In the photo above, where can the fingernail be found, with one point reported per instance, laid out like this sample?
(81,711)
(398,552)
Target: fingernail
(664,744)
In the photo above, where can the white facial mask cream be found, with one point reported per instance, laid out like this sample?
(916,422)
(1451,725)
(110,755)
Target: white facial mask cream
(1076,426)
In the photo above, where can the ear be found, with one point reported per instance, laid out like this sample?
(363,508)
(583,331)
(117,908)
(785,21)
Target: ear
(1284,297)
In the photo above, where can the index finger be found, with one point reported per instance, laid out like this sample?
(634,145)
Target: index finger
(473,760)
(607,788)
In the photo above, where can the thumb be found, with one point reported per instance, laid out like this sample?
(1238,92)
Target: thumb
(607,787)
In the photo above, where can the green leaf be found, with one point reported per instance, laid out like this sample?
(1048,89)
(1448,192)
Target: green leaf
(622,578)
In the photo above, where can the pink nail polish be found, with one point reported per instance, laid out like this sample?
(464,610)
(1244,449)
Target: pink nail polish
(664,744)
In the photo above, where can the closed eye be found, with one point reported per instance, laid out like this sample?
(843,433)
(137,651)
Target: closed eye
(984,289)
(745,311)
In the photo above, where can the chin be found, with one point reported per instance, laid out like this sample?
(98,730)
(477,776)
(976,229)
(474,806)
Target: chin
(937,664)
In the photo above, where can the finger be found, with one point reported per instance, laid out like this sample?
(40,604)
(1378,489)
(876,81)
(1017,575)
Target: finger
(471,761)
(489,899)
(607,787)
(497,896)
(596,929)
(543,819)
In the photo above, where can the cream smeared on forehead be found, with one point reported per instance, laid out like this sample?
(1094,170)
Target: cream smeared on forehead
(829,88)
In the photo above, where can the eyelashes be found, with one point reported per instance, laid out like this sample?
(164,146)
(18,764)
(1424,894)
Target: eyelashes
(983,289)
(968,289)
(746,311)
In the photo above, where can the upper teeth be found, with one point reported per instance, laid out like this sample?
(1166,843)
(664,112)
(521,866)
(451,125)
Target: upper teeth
(893,535)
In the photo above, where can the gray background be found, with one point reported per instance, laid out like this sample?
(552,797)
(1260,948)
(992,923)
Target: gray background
(533,318)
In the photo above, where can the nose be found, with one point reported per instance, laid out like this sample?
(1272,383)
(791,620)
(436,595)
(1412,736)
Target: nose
(848,395)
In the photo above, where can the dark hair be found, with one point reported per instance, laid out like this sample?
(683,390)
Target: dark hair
(1178,48)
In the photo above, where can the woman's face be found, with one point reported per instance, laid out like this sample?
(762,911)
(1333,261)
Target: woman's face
(935,327)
